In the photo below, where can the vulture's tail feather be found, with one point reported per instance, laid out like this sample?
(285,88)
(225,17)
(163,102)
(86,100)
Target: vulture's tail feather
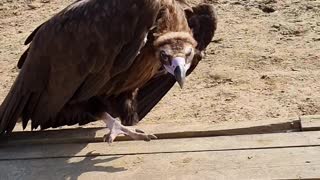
(152,93)
(12,107)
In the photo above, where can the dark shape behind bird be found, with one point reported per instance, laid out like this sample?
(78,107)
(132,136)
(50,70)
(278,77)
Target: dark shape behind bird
(98,60)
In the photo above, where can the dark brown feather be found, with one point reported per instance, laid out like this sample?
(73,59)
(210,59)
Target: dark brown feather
(31,36)
(23,58)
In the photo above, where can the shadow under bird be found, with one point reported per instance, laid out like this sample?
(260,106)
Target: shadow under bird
(106,59)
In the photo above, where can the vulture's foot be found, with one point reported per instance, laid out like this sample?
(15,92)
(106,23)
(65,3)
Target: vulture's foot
(116,128)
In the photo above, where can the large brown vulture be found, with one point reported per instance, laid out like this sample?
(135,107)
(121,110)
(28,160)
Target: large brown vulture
(106,59)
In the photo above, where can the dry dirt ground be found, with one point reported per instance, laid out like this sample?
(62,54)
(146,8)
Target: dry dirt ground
(264,62)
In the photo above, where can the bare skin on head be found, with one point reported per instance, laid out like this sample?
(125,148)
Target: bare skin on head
(177,58)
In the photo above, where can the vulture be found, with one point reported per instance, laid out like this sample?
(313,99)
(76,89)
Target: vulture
(106,59)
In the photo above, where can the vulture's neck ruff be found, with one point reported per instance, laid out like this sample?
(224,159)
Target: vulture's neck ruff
(170,37)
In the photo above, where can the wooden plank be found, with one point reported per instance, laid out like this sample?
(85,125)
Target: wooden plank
(310,123)
(162,131)
(286,163)
(222,143)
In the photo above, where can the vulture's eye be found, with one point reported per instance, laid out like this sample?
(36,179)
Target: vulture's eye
(189,52)
(164,56)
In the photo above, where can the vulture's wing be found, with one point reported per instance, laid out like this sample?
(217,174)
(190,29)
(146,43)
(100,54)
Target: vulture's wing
(203,21)
(73,55)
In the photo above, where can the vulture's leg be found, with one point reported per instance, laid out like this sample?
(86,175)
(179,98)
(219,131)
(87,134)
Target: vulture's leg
(116,128)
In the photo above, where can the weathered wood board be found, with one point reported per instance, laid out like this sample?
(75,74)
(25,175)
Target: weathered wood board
(310,123)
(266,156)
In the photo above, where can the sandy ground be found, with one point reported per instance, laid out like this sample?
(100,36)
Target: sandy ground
(264,62)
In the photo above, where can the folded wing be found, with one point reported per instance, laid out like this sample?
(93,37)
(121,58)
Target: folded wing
(73,55)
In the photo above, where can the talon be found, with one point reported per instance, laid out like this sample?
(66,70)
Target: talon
(152,136)
(105,137)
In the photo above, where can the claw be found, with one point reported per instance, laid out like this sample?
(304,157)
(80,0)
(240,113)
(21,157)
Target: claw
(106,138)
(152,136)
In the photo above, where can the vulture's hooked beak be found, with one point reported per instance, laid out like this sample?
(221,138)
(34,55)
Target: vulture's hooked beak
(178,69)
(180,75)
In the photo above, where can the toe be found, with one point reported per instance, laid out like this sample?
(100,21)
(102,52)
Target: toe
(139,131)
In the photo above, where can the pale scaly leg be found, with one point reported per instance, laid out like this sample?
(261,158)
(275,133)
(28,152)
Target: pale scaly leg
(116,128)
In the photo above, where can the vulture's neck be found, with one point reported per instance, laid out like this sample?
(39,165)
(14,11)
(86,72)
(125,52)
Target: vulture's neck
(171,25)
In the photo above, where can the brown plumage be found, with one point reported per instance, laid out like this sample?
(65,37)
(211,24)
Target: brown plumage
(92,58)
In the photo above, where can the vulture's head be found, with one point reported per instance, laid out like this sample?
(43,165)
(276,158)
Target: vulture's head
(175,51)
(174,43)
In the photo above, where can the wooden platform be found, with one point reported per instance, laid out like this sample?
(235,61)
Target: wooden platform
(286,152)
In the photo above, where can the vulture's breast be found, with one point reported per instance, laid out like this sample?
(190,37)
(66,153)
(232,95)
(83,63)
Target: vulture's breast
(144,67)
